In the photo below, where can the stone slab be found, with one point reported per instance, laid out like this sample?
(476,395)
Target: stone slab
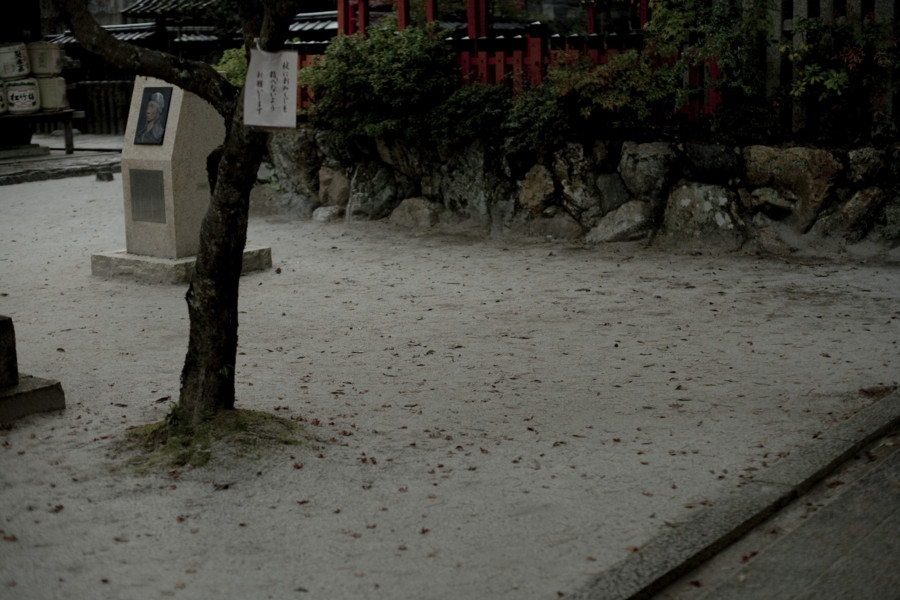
(669,556)
(31,395)
(864,519)
(24,151)
(688,544)
(151,269)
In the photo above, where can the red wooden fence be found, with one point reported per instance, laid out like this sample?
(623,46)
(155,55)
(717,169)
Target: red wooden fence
(518,60)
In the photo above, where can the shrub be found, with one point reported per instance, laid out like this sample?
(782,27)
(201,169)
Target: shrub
(848,68)
(577,99)
(383,85)
(234,65)
(471,111)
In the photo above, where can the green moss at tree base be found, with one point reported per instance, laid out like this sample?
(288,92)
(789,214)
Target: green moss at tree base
(229,436)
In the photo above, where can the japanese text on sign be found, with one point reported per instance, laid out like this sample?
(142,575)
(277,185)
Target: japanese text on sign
(270,93)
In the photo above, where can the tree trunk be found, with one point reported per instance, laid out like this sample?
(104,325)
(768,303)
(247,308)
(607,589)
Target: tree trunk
(207,379)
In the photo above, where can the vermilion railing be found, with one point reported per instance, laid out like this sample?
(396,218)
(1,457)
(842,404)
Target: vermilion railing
(523,59)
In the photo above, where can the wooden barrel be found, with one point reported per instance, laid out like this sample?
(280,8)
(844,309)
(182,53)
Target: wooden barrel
(14,63)
(53,93)
(23,96)
(45,59)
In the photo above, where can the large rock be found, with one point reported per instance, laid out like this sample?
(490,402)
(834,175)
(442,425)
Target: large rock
(775,204)
(711,163)
(464,184)
(865,165)
(416,213)
(537,190)
(296,160)
(336,150)
(613,192)
(375,190)
(807,173)
(560,226)
(631,221)
(857,215)
(408,159)
(334,187)
(772,237)
(702,215)
(576,173)
(328,214)
(265,200)
(646,170)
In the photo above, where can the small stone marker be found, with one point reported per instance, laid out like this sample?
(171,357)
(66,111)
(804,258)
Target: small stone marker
(169,135)
(22,395)
(9,366)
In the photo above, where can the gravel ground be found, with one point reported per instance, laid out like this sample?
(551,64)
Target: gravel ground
(500,418)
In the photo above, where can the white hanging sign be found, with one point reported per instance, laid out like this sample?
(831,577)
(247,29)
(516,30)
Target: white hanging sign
(270,92)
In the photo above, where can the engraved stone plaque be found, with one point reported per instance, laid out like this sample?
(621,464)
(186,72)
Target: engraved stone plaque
(148,198)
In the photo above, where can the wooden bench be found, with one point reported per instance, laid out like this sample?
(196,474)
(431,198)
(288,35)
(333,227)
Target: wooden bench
(59,116)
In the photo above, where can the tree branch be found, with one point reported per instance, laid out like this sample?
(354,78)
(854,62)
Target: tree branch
(191,75)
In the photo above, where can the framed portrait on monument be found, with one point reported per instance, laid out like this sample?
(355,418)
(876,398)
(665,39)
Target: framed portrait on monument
(151,127)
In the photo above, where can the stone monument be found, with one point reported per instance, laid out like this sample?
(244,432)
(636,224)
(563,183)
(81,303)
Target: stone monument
(170,133)
(22,395)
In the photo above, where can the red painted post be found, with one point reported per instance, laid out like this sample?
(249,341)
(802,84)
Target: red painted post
(477,16)
(481,62)
(645,12)
(535,59)
(518,71)
(500,68)
(344,17)
(591,18)
(402,14)
(431,10)
(362,15)
(465,66)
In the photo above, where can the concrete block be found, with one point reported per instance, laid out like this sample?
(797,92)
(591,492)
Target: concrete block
(174,271)
(30,395)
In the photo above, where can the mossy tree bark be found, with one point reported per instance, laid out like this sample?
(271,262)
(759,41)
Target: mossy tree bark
(207,380)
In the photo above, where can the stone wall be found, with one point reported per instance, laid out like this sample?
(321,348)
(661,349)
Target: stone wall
(758,198)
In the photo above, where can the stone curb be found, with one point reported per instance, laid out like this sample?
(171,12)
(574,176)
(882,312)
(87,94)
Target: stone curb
(671,555)
(77,169)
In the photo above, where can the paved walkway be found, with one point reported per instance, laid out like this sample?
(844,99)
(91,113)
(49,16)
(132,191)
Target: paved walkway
(824,525)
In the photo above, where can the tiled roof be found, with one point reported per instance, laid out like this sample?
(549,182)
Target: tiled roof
(315,25)
(127,33)
(135,32)
(162,8)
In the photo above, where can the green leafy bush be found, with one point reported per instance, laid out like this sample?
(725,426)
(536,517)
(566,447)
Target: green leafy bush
(383,85)
(234,65)
(577,99)
(847,67)
(471,111)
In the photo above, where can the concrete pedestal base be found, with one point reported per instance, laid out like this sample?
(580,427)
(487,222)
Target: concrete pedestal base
(29,396)
(151,269)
